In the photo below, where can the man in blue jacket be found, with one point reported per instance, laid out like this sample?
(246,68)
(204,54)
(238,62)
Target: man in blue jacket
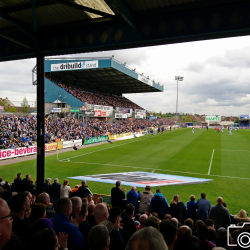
(159,204)
(133,197)
(203,208)
(61,223)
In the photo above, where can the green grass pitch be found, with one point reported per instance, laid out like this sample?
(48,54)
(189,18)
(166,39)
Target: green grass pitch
(179,152)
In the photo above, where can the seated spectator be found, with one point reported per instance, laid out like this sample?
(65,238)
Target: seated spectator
(84,224)
(146,238)
(168,229)
(191,208)
(31,187)
(5,194)
(209,223)
(184,241)
(46,185)
(128,221)
(177,208)
(38,225)
(197,224)
(133,197)
(5,225)
(152,221)
(44,198)
(159,204)
(76,206)
(203,236)
(145,199)
(101,232)
(38,211)
(61,223)
(65,190)
(155,214)
(20,205)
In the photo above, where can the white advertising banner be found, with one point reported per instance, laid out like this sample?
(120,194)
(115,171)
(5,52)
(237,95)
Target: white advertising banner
(56,110)
(70,144)
(74,65)
(145,80)
(138,116)
(121,116)
(12,153)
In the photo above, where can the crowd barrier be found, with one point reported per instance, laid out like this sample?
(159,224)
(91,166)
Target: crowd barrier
(95,140)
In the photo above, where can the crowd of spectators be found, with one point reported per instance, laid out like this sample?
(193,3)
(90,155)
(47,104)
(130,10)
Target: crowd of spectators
(17,131)
(95,97)
(65,218)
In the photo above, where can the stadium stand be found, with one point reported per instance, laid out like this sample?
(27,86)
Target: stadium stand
(18,131)
(70,218)
(95,97)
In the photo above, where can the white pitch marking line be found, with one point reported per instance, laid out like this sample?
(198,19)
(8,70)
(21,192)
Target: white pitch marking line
(211,163)
(67,159)
(156,169)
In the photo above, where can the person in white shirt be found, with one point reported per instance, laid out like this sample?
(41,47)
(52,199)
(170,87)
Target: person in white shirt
(65,190)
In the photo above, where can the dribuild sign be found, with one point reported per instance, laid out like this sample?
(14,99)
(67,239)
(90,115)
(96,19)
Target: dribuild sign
(74,65)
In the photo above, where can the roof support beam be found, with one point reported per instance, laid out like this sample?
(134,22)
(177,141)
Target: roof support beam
(14,22)
(16,41)
(84,8)
(122,10)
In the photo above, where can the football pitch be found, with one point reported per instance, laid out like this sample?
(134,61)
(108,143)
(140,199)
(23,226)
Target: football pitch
(206,154)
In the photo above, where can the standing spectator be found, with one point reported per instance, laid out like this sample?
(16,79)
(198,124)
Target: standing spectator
(127,220)
(38,211)
(5,223)
(20,205)
(159,204)
(177,209)
(46,185)
(118,195)
(18,183)
(54,191)
(83,191)
(26,182)
(76,206)
(133,197)
(90,217)
(220,215)
(203,208)
(145,199)
(65,190)
(101,232)
(61,223)
(6,185)
(191,208)
(45,199)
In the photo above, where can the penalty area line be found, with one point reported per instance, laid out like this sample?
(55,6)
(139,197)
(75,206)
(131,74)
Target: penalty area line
(156,169)
(211,163)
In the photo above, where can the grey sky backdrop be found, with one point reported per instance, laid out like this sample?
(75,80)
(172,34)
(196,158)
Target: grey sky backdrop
(216,76)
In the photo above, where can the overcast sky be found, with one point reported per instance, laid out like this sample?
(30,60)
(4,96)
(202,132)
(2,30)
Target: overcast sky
(216,76)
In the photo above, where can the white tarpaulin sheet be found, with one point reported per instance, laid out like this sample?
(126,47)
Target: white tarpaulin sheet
(141,179)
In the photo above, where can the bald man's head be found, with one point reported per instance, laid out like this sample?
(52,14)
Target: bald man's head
(142,220)
(100,212)
(43,198)
(219,200)
(184,232)
(6,223)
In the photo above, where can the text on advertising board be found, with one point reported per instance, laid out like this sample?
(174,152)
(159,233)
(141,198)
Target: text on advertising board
(74,65)
(100,113)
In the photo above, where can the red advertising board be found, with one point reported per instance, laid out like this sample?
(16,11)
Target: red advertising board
(100,113)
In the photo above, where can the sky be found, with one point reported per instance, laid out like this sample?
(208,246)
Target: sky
(216,76)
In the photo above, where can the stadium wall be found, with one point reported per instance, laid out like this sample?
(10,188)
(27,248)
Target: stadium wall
(52,93)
